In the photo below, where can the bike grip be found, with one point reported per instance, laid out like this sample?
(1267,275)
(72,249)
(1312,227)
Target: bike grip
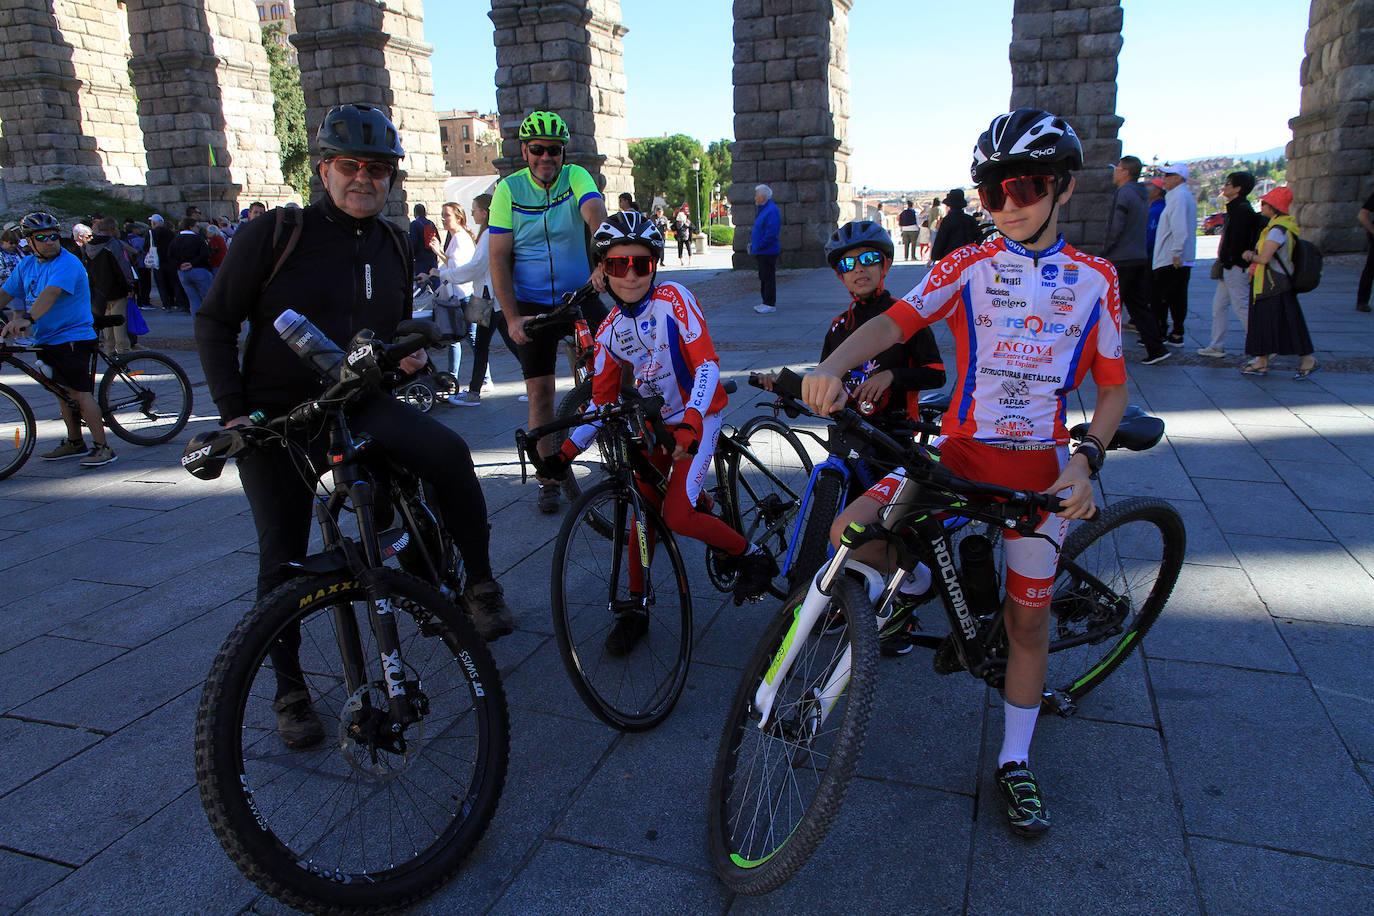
(399,350)
(788,383)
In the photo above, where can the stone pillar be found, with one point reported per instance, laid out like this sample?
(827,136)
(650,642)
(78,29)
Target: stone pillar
(564,56)
(202,82)
(371,53)
(65,96)
(791,121)
(1331,155)
(1064,60)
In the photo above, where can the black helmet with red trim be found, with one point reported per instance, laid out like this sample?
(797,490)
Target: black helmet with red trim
(1026,136)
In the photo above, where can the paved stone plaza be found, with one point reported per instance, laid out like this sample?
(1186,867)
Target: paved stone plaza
(1229,770)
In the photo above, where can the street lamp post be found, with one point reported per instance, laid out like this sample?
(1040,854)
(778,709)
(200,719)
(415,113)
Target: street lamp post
(696,172)
(715,202)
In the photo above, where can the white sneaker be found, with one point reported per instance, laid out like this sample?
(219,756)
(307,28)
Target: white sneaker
(1211,351)
(765,309)
(465,399)
(523,397)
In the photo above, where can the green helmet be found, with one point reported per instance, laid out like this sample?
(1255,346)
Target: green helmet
(544,125)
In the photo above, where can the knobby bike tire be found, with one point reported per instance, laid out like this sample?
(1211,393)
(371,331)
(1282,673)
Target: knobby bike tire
(1165,517)
(603,709)
(827,499)
(23,437)
(225,789)
(126,367)
(771,871)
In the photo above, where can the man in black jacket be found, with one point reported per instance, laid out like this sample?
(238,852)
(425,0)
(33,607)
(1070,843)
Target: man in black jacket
(111,281)
(957,228)
(1239,234)
(169,291)
(350,270)
(1125,247)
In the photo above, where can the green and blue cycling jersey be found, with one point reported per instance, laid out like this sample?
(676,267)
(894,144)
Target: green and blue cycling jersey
(550,242)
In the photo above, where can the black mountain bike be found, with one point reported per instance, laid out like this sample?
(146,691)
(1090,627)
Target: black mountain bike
(614,555)
(145,398)
(798,720)
(384,810)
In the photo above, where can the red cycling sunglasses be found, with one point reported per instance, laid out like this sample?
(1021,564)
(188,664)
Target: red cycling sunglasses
(619,267)
(1023,190)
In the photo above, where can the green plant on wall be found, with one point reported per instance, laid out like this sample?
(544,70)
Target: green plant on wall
(288,109)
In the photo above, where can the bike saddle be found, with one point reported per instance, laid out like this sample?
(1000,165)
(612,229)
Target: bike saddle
(935,401)
(108,321)
(1138,431)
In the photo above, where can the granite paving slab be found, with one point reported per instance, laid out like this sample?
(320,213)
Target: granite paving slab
(1336,659)
(1308,580)
(1247,879)
(1246,507)
(1214,615)
(22,878)
(32,748)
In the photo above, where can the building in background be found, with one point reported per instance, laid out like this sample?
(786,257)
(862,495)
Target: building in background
(283,12)
(471,142)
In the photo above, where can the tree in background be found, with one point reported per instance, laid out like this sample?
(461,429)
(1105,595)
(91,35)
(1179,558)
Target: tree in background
(288,109)
(663,168)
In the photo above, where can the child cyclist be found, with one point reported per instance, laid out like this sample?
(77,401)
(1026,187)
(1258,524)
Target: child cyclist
(1031,317)
(656,332)
(887,387)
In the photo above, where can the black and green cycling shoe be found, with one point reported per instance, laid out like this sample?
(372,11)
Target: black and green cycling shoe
(631,624)
(1025,808)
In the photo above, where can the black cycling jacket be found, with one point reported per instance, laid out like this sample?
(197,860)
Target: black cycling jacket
(915,364)
(345,274)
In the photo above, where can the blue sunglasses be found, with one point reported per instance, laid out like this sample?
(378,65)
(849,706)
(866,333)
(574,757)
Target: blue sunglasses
(847,263)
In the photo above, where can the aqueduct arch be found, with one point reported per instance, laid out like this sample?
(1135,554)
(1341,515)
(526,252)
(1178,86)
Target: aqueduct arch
(195,82)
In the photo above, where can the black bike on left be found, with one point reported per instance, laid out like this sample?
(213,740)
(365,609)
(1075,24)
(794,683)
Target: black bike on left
(144,397)
(382,811)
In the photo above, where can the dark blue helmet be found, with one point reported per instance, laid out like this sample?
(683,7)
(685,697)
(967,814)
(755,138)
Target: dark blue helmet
(859,233)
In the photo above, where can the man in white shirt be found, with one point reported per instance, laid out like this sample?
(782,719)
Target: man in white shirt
(1175,251)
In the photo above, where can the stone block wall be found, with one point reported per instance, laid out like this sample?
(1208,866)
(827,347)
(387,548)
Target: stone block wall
(791,121)
(201,75)
(65,97)
(369,53)
(564,56)
(1331,155)
(1064,60)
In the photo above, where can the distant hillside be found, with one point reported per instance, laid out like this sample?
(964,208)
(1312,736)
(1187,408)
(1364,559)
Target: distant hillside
(1268,155)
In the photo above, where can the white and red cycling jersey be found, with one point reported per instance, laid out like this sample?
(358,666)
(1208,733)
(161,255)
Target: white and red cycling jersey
(664,341)
(1028,328)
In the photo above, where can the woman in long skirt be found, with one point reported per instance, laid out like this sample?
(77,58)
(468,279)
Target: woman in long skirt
(1277,326)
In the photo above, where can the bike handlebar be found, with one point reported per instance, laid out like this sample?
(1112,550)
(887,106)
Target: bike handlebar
(562,316)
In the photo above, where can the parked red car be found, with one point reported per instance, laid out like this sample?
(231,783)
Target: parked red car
(1211,225)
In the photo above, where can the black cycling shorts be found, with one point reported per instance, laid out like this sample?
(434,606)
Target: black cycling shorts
(539,357)
(72,364)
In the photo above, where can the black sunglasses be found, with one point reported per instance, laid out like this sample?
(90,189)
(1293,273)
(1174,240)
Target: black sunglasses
(45,236)
(536,150)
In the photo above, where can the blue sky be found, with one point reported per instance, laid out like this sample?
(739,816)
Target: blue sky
(927,75)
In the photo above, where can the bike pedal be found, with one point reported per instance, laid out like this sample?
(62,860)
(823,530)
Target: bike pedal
(946,659)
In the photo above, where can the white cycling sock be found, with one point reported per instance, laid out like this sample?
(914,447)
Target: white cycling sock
(917,582)
(1017,730)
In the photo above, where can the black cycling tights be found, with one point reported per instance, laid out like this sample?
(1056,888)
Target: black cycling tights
(281,500)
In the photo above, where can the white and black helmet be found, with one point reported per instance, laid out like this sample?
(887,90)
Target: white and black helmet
(1026,136)
(623,228)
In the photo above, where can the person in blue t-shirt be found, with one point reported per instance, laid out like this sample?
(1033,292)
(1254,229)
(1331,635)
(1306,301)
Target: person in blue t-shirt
(55,306)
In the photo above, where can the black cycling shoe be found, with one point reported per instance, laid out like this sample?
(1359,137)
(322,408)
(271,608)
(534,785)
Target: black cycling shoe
(898,642)
(1025,808)
(548,498)
(485,603)
(756,572)
(631,625)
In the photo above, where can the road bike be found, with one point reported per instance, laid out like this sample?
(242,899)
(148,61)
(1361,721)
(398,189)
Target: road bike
(385,808)
(144,397)
(797,722)
(614,554)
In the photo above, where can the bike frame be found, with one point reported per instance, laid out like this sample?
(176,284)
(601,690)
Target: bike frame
(9,356)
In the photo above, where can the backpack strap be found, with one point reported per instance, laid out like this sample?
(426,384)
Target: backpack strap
(288,223)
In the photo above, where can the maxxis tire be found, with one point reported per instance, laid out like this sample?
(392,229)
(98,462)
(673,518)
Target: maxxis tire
(773,871)
(25,450)
(107,381)
(257,852)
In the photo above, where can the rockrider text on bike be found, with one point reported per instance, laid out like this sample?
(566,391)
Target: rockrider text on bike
(540,217)
(350,269)
(1031,317)
(56,301)
(658,335)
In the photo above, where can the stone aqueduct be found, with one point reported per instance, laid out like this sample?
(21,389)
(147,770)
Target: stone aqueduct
(196,81)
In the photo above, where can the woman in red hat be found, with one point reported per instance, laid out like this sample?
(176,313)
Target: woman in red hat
(1277,326)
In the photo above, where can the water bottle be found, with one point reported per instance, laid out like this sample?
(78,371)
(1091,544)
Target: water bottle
(981,588)
(310,343)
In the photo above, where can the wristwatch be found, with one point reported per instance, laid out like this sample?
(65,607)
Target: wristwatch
(1090,450)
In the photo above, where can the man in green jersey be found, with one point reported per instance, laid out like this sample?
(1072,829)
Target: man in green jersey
(540,220)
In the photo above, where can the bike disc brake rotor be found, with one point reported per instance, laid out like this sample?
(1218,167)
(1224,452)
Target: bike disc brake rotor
(365,738)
